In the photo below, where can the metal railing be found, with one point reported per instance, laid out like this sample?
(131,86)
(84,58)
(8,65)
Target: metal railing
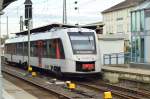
(116,58)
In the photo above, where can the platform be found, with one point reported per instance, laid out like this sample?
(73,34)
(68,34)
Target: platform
(11,91)
(114,73)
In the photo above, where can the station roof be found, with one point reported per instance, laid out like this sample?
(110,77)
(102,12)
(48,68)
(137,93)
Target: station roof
(45,28)
(94,25)
(6,3)
(123,5)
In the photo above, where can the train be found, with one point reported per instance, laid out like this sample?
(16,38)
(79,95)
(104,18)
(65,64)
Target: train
(66,51)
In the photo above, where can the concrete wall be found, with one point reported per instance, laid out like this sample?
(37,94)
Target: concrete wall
(113,20)
(114,74)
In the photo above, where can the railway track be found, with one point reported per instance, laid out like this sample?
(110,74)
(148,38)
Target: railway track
(36,91)
(122,92)
(118,92)
(57,89)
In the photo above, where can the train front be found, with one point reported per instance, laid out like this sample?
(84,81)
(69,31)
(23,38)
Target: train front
(83,52)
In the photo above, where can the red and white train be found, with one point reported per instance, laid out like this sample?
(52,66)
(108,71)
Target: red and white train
(63,50)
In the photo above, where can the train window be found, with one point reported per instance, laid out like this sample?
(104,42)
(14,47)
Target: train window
(55,49)
(83,43)
(11,49)
(35,49)
(45,49)
(52,49)
(8,48)
(5,49)
(19,48)
(14,48)
(32,48)
(62,55)
(25,48)
(48,48)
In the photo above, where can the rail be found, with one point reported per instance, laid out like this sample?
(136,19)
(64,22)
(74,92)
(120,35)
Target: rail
(48,84)
(120,92)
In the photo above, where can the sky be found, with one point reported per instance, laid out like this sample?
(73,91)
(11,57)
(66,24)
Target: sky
(50,11)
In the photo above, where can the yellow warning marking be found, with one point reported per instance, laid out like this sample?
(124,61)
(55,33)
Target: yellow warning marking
(107,95)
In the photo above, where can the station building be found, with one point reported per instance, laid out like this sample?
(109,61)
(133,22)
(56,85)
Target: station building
(140,28)
(117,20)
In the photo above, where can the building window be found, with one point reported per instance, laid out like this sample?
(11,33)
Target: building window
(138,21)
(118,19)
(120,28)
(142,20)
(120,25)
(147,20)
(133,22)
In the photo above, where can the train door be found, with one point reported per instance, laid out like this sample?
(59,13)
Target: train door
(39,52)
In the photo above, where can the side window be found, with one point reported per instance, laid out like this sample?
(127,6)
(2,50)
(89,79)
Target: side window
(32,48)
(52,48)
(25,48)
(13,49)
(45,50)
(6,49)
(55,49)
(61,49)
(19,48)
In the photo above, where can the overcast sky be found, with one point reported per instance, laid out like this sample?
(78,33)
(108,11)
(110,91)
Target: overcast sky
(50,11)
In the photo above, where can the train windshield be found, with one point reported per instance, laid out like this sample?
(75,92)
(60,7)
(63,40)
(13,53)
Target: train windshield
(83,42)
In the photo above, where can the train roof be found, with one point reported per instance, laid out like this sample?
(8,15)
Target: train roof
(45,28)
(53,33)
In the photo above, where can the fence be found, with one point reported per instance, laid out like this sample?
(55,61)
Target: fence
(116,58)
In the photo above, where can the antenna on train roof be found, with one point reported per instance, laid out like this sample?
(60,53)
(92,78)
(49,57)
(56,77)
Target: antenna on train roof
(79,28)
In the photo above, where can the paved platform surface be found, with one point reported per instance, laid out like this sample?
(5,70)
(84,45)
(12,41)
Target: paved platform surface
(127,70)
(11,91)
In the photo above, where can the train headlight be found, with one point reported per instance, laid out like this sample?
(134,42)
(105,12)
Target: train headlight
(88,66)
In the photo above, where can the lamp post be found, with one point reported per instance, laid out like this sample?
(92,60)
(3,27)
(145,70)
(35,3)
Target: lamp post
(1,77)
